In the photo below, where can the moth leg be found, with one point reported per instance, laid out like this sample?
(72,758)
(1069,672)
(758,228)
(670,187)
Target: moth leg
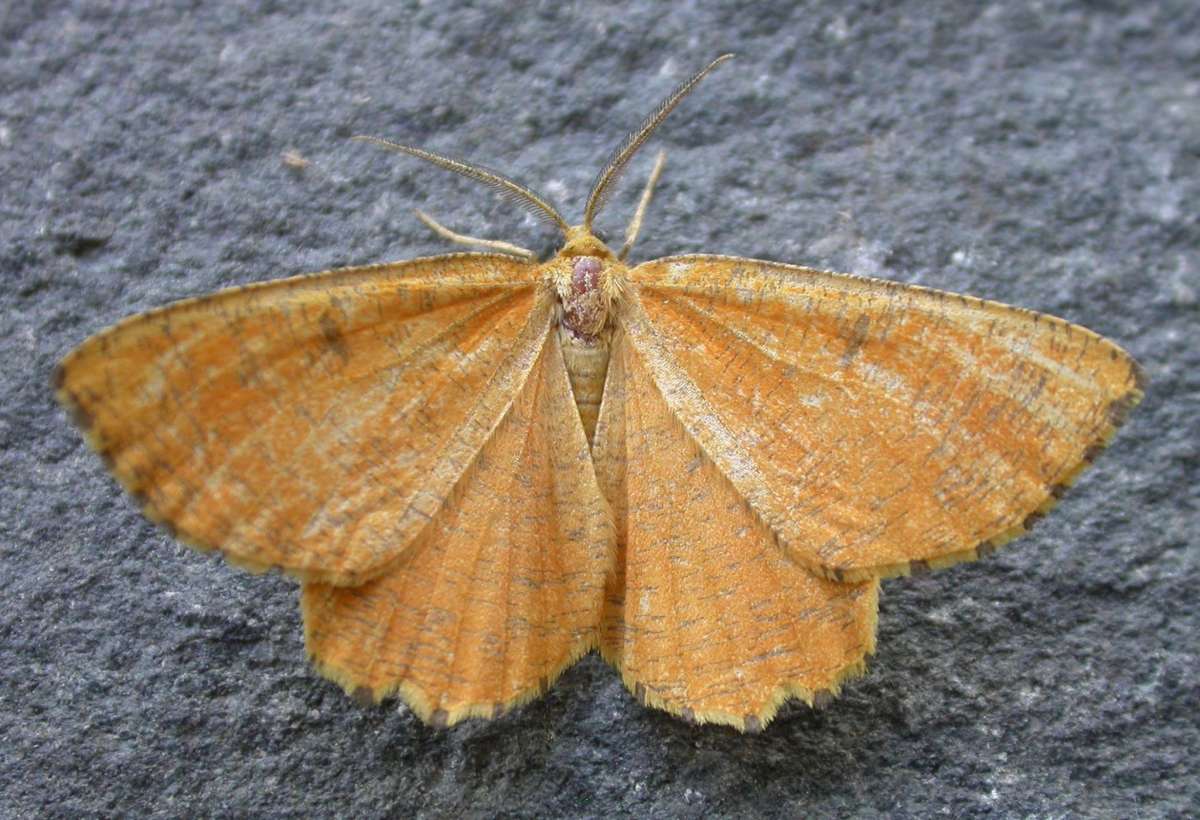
(462,239)
(635,224)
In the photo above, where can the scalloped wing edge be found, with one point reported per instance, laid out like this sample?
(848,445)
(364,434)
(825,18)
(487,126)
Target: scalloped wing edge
(756,721)
(1118,413)
(422,704)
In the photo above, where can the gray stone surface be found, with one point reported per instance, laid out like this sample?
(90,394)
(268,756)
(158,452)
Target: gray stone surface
(1044,154)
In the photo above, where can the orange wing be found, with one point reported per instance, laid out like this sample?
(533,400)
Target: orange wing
(313,424)
(706,617)
(501,592)
(875,427)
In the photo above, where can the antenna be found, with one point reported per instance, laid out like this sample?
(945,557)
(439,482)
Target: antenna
(602,187)
(510,189)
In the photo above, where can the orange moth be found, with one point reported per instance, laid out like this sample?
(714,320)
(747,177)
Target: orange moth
(480,466)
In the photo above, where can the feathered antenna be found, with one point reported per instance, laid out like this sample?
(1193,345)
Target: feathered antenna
(602,187)
(510,189)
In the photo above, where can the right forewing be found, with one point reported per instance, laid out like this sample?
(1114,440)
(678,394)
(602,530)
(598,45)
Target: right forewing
(875,426)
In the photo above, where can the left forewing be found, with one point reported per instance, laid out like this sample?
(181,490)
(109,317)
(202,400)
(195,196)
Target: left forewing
(875,426)
(311,424)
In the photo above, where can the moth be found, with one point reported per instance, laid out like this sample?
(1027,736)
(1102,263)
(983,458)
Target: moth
(481,467)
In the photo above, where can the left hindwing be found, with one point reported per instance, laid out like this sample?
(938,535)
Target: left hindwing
(501,591)
(872,425)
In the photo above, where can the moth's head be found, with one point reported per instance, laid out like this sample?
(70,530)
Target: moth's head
(582,241)
(587,276)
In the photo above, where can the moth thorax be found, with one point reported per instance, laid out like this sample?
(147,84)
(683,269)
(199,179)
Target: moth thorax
(585,304)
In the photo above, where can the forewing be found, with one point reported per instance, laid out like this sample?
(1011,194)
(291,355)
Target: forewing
(873,426)
(504,588)
(706,616)
(313,424)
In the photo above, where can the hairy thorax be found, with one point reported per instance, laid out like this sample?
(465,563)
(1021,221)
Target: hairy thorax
(588,279)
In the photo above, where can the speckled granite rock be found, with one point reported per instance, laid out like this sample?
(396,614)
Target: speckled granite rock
(1041,155)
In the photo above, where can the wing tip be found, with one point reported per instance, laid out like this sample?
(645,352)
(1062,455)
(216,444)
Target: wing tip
(136,492)
(1117,413)
(170,527)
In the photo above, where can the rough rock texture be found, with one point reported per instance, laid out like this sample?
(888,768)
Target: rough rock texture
(1043,154)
